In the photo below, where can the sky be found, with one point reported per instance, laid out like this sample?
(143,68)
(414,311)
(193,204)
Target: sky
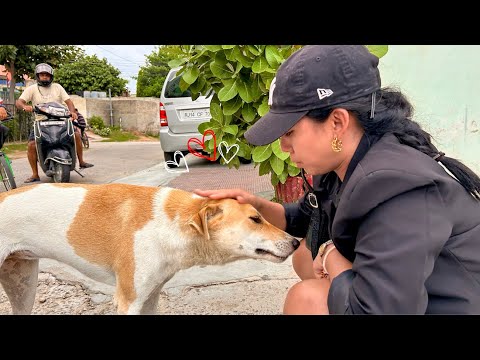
(126,58)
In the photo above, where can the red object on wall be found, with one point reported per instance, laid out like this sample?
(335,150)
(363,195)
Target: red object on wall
(292,190)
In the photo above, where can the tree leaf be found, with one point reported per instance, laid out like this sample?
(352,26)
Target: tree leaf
(228,92)
(213,48)
(378,50)
(272,55)
(231,129)
(191,75)
(204,126)
(244,150)
(244,90)
(253,49)
(261,153)
(230,67)
(283,177)
(257,87)
(220,70)
(274,178)
(248,113)
(177,62)
(277,164)
(263,109)
(293,170)
(220,58)
(227,119)
(216,112)
(198,85)
(242,59)
(264,168)
(259,65)
(230,107)
(228,46)
(278,151)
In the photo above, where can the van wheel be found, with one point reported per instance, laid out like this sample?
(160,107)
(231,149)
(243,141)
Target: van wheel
(169,157)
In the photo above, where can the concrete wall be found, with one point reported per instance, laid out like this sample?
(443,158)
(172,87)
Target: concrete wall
(443,84)
(131,113)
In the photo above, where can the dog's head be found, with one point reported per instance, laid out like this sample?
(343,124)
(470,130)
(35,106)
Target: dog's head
(233,231)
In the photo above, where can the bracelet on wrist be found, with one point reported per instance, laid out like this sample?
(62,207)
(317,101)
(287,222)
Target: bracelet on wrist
(324,259)
(322,247)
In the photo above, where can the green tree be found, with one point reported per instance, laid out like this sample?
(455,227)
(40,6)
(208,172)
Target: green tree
(21,60)
(240,76)
(151,77)
(89,73)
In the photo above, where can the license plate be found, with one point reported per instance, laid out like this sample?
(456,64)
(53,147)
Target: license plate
(52,122)
(194,114)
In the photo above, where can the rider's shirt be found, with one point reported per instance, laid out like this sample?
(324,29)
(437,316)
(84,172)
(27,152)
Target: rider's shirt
(42,94)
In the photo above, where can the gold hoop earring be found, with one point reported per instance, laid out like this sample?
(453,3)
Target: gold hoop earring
(336,144)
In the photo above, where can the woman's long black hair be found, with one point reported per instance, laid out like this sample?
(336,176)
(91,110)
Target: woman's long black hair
(393,114)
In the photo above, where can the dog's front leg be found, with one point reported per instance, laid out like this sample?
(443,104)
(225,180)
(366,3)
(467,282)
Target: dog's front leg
(136,301)
(150,307)
(144,300)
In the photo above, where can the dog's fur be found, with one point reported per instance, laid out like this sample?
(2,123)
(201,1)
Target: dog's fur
(133,237)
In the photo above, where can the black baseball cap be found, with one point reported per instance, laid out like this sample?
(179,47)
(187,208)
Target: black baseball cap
(314,77)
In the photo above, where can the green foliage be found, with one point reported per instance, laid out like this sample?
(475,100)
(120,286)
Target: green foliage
(152,76)
(21,60)
(12,148)
(118,135)
(96,122)
(89,73)
(240,76)
(20,126)
(102,132)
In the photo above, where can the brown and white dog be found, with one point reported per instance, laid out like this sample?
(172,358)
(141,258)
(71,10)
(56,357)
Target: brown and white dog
(132,237)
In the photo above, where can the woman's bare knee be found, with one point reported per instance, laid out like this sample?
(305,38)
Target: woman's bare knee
(307,297)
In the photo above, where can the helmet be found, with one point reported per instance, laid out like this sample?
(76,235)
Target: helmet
(43,68)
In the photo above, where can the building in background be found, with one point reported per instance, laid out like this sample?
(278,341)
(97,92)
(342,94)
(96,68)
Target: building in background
(5,78)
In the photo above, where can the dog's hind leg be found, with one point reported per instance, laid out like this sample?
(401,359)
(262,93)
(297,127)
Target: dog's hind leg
(19,278)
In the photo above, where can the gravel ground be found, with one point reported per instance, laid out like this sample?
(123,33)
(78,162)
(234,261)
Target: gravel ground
(59,297)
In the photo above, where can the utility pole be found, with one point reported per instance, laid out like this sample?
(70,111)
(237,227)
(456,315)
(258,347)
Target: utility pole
(111,110)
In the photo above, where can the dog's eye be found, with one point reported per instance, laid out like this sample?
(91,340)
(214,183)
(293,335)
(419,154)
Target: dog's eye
(256,219)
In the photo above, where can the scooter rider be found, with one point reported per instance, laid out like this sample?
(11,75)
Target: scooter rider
(45,90)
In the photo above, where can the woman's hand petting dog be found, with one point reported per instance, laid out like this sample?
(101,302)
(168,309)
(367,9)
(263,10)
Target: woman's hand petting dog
(242,196)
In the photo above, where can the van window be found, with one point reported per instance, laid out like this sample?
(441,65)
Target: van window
(172,90)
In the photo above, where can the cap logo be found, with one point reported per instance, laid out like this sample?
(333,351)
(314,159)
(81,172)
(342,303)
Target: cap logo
(270,94)
(323,93)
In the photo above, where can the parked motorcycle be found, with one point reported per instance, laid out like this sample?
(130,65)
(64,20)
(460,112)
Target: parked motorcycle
(55,141)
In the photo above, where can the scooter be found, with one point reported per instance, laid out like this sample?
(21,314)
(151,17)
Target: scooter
(55,141)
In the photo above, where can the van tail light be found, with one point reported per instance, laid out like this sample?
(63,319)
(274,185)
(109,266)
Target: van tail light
(163,116)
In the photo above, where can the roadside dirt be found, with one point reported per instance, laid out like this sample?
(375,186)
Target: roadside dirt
(59,297)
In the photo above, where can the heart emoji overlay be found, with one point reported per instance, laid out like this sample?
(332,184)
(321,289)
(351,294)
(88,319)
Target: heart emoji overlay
(202,144)
(176,163)
(228,148)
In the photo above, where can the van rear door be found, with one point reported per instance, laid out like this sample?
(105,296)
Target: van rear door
(183,114)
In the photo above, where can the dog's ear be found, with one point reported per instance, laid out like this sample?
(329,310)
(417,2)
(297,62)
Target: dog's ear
(200,220)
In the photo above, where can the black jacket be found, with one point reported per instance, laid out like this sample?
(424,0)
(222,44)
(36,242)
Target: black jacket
(410,229)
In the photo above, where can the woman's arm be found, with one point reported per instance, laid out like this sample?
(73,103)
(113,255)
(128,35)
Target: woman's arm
(396,247)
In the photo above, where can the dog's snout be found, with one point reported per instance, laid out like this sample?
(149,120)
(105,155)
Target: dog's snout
(295,243)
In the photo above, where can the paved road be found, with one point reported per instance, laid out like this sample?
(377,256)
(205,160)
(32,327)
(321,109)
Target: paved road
(242,287)
(128,158)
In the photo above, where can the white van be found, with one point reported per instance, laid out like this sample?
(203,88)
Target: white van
(180,117)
